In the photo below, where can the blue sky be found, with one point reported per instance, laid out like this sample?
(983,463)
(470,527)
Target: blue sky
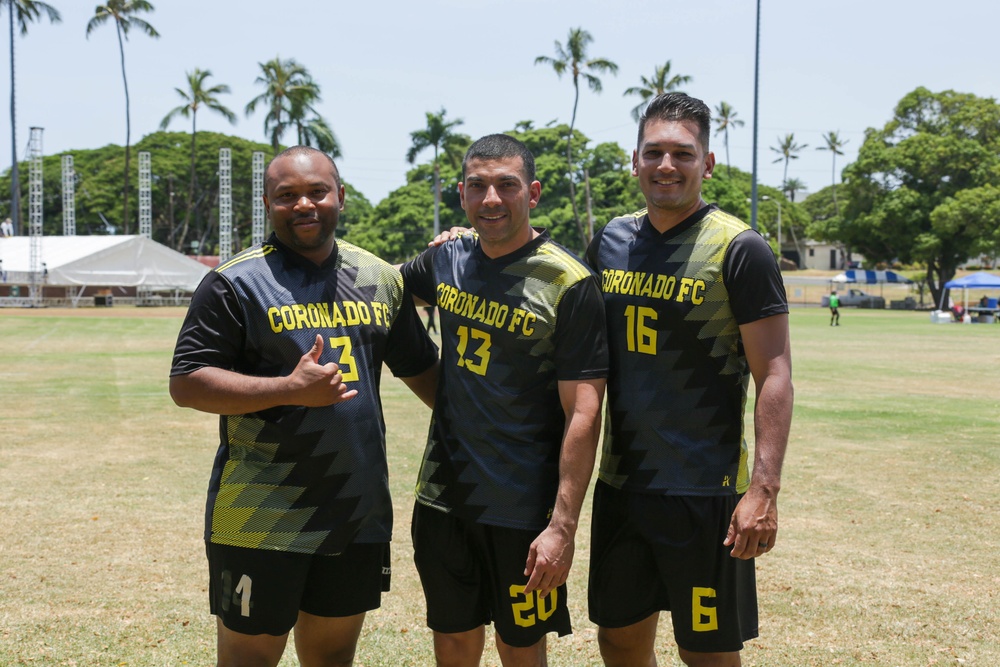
(824,66)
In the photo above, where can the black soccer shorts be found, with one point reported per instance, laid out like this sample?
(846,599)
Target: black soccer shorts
(473,574)
(258,591)
(653,553)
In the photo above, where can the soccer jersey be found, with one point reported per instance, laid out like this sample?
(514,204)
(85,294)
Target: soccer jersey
(678,386)
(292,478)
(511,328)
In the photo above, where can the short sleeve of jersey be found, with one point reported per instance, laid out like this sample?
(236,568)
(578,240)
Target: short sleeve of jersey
(409,350)
(213,330)
(582,342)
(752,277)
(418,275)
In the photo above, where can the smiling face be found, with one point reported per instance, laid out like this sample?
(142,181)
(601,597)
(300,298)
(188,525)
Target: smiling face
(303,199)
(670,164)
(497,199)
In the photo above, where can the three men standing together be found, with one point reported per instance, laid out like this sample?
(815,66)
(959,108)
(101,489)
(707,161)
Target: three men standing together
(686,304)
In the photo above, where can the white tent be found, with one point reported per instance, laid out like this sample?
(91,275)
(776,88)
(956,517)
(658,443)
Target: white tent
(103,261)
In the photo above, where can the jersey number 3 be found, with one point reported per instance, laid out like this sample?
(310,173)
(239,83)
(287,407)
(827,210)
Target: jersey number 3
(347,365)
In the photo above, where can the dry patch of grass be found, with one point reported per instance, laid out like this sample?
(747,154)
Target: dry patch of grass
(887,552)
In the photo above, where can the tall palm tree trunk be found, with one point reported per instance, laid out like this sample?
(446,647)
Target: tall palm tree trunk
(191,187)
(278,125)
(569,164)
(725,136)
(791,228)
(437,195)
(15,186)
(833,180)
(128,130)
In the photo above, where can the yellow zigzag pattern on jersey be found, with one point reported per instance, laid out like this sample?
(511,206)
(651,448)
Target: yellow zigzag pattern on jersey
(372,271)
(244,256)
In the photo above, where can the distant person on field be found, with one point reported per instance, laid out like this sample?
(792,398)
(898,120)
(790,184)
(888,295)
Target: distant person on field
(835,309)
(286,341)
(431,324)
(984,302)
(6,228)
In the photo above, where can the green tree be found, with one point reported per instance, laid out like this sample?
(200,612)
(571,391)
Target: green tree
(123,13)
(573,58)
(825,221)
(98,189)
(21,12)
(923,189)
(196,96)
(289,95)
(398,227)
(787,151)
(725,117)
(834,144)
(661,82)
(438,134)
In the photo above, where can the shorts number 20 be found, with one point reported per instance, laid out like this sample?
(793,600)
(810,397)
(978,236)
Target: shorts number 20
(532,608)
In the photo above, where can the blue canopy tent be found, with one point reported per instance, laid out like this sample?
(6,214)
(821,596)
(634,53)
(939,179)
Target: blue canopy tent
(870,277)
(978,280)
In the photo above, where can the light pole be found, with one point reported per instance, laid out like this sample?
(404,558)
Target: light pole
(756,86)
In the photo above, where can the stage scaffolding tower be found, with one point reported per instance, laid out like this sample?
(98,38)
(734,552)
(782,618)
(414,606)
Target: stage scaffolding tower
(225,204)
(68,196)
(35,263)
(143,293)
(145,195)
(257,235)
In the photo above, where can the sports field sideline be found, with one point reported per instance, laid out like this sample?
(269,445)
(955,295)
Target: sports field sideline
(888,551)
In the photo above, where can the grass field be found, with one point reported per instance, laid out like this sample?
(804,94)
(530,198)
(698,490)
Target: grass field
(888,551)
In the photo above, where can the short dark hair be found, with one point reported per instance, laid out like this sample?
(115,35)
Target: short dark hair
(292,151)
(498,147)
(678,107)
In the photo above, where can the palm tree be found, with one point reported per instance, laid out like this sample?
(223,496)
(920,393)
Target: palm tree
(834,144)
(123,13)
(792,186)
(23,12)
(439,136)
(195,97)
(661,82)
(289,94)
(574,58)
(725,116)
(313,131)
(787,150)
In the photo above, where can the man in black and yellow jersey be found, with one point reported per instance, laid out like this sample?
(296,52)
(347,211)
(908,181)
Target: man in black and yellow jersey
(695,306)
(516,420)
(286,342)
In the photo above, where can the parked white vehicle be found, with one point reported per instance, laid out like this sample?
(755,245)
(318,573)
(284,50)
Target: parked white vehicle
(855,297)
